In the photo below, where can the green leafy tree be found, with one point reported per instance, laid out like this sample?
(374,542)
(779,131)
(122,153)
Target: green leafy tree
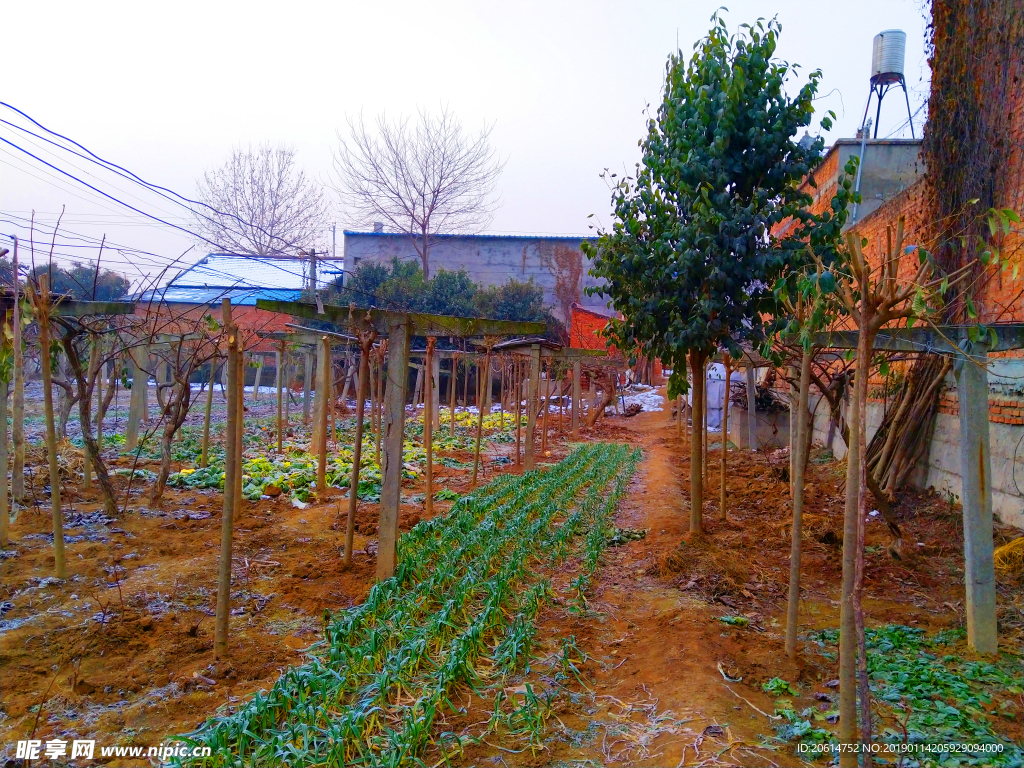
(450,293)
(690,259)
(85,281)
(400,285)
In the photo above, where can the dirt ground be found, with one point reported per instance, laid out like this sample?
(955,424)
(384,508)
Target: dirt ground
(669,684)
(123,650)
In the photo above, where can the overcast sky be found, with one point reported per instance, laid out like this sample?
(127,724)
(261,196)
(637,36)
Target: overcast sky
(167,89)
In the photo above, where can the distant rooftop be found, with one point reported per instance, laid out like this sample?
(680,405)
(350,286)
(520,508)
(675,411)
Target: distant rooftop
(243,279)
(226,270)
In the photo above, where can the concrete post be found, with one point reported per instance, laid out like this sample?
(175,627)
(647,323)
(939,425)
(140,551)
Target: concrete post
(577,398)
(976,470)
(531,406)
(751,409)
(259,376)
(137,403)
(392,428)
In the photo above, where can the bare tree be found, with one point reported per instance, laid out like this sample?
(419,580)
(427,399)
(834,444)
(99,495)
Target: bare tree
(420,178)
(260,203)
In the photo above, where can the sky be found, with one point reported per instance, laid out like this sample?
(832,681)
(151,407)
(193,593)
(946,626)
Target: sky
(167,90)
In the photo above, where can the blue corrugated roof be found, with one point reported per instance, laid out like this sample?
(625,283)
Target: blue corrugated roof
(226,270)
(239,296)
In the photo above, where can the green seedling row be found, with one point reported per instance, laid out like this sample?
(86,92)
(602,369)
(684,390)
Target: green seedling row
(460,611)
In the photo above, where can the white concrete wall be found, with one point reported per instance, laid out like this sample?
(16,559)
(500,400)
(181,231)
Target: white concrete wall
(940,467)
(489,260)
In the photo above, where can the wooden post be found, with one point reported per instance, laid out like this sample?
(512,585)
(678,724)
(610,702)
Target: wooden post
(18,415)
(428,424)
(220,643)
(331,394)
(501,396)
(380,397)
(307,384)
(976,471)
(240,421)
(680,415)
(366,345)
(561,399)
(547,407)
(137,401)
(323,385)
(480,418)
(286,356)
(393,426)
(751,408)
(279,362)
(204,458)
(487,380)
(451,391)
(517,391)
(435,410)
(5,508)
(531,406)
(43,318)
(577,397)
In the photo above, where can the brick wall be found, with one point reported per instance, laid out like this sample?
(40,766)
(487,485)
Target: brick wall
(1002,409)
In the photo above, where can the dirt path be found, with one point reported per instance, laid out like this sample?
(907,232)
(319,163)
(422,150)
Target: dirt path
(654,693)
(671,643)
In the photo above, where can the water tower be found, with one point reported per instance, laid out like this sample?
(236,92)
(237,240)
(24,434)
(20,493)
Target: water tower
(887,58)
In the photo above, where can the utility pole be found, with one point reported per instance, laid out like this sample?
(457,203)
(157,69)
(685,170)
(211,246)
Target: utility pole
(312,271)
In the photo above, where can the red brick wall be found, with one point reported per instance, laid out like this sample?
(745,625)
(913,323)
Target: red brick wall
(249,319)
(585,330)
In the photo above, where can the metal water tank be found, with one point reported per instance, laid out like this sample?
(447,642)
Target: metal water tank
(888,56)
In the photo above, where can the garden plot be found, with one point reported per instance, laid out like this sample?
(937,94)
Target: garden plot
(460,611)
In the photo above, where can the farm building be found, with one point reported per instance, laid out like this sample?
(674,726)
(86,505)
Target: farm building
(243,279)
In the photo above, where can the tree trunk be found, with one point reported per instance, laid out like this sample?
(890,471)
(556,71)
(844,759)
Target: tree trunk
(546,407)
(279,362)
(321,446)
(799,465)
(725,438)
(696,453)
(357,451)
(204,459)
(517,393)
(18,405)
(220,644)
(428,424)
(848,640)
(92,454)
(42,315)
(606,399)
(166,439)
(5,509)
(480,425)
